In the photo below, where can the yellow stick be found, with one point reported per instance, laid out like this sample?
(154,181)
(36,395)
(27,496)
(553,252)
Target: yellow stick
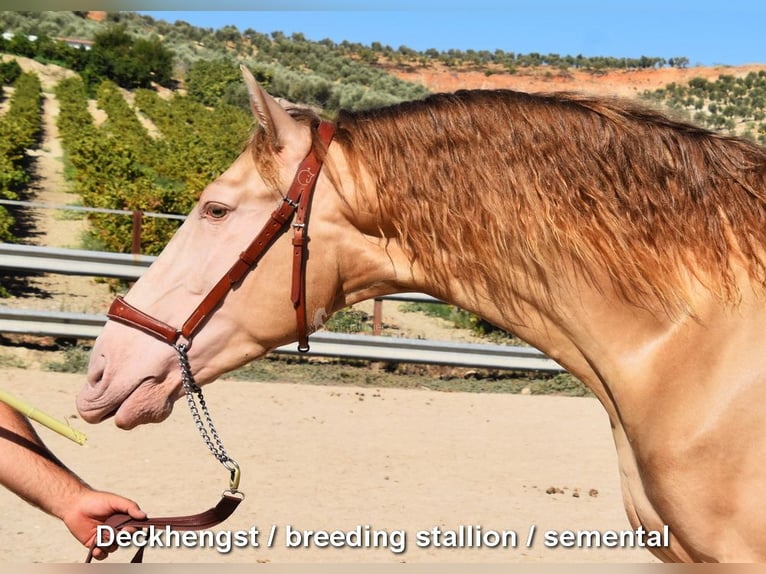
(29,411)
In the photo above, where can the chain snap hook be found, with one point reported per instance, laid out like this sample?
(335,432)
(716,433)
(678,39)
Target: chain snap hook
(233,467)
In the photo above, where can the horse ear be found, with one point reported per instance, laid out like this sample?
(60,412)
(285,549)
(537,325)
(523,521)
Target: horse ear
(272,117)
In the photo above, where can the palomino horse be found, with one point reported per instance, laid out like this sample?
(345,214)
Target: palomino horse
(625,245)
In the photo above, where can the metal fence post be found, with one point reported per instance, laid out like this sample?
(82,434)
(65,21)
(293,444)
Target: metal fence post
(377,316)
(135,245)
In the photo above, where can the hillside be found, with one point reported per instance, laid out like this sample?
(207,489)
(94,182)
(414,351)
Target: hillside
(326,75)
(331,75)
(620,82)
(730,99)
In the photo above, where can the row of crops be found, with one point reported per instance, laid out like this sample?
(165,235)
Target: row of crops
(20,127)
(119,164)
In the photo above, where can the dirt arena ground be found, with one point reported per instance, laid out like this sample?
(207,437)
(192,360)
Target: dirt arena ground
(342,458)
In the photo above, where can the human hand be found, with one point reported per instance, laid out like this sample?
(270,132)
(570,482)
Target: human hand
(90,509)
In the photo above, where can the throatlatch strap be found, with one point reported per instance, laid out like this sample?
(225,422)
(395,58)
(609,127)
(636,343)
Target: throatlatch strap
(306,179)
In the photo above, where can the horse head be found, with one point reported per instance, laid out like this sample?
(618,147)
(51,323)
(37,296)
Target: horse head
(134,375)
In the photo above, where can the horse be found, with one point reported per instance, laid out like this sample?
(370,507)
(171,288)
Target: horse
(625,244)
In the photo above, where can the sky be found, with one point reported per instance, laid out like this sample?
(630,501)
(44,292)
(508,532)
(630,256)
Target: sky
(706,32)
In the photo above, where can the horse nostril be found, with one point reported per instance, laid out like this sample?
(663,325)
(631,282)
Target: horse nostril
(96,369)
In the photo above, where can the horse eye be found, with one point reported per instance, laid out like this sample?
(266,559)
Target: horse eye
(216,211)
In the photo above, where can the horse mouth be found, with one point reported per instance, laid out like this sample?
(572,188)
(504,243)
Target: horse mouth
(146,402)
(107,416)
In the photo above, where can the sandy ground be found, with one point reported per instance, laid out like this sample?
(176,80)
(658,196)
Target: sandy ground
(338,458)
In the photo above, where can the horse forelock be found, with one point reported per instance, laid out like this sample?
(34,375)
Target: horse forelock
(476,181)
(264,150)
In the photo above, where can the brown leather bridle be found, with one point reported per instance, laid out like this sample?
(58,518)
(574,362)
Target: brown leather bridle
(293,208)
(295,205)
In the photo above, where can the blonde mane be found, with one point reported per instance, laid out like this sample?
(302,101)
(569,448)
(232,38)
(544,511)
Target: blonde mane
(548,183)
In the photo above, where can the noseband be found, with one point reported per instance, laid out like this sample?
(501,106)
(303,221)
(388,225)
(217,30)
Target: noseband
(295,205)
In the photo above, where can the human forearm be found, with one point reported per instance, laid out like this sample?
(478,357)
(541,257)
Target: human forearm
(30,470)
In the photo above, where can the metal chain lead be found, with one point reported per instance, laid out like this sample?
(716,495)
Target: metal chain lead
(193,396)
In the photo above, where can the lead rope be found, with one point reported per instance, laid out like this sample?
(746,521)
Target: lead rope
(206,428)
(230,498)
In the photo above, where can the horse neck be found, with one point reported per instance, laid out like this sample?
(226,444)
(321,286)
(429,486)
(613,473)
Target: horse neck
(374,261)
(587,328)
(583,324)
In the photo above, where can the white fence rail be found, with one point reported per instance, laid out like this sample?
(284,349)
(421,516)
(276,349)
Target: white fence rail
(85,326)
(102,264)
(25,258)
(73,261)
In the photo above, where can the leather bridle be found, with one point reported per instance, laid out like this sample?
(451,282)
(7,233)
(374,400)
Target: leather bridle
(294,207)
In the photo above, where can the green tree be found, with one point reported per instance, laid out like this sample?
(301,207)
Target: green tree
(9,71)
(21,44)
(129,63)
(153,62)
(208,80)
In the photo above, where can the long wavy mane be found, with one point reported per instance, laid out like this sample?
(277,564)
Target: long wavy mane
(556,182)
(475,182)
